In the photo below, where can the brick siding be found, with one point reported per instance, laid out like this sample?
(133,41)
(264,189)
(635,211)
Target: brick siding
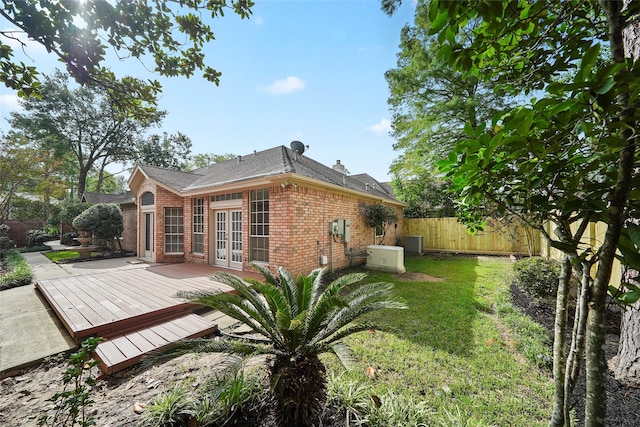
(298,230)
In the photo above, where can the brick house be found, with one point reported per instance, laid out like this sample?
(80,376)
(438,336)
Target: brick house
(276,207)
(127,203)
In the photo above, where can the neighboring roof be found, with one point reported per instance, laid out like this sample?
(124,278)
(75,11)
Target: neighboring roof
(263,164)
(121,199)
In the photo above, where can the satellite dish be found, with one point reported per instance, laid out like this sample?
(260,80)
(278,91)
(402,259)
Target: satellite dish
(297,147)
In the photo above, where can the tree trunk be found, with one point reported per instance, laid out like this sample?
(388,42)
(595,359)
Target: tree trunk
(596,363)
(558,418)
(626,364)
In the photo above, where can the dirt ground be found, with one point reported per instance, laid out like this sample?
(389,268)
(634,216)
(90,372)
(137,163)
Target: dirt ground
(25,396)
(623,398)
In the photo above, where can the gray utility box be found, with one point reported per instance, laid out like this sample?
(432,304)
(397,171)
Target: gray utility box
(413,244)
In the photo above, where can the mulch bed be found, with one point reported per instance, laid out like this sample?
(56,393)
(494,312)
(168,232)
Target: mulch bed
(623,398)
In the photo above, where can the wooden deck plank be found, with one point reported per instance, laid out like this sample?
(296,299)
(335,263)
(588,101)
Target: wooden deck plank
(92,303)
(142,343)
(62,306)
(126,347)
(109,353)
(124,351)
(66,307)
(83,302)
(135,309)
(153,337)
(111,291)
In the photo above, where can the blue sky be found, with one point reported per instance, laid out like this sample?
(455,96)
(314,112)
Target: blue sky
(297,70)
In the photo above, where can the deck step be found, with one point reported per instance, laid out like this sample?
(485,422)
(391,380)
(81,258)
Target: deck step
(122,351)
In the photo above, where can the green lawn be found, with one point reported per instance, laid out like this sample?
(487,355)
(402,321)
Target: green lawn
(66,255)
(450,349)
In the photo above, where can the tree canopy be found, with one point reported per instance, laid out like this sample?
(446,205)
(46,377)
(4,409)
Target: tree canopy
(82,34)
(431,102)
(166,151)
(17,167)
(80,125)
(569,156)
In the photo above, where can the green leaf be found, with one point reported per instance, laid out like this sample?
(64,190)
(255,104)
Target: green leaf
(437,24)
(633,231)
(588,61)
(468,129)
(606,87)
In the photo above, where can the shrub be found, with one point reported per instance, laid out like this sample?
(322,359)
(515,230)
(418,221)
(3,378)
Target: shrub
(69,211)
(71,406)
(103,219)
(69,239)
(37,238)
(19,272)
(171,408)
(537,276)
(5,242)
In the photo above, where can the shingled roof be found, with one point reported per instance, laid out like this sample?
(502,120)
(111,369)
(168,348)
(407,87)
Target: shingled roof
(262,164)
(121,199)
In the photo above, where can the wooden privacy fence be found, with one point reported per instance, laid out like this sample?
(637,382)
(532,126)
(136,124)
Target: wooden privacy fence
(448,235)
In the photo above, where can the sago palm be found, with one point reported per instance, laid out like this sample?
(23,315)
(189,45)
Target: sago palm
(299,319)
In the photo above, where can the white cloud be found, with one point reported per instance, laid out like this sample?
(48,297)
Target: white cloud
(9,102)
(383,125)
(284,86)
(257,20)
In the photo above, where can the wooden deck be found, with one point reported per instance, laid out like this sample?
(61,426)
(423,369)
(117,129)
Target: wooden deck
(135,309)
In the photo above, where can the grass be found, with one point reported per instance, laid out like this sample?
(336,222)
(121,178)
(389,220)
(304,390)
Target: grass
(56,256)
(18,271)
(66,255)
(450,350)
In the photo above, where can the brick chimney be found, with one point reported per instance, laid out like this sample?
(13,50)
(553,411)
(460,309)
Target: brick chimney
(340,167)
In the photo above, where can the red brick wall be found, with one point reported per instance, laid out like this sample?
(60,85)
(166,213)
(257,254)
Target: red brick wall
(299,230)
(299,227)
(167,199)
(189,256)
(129,218)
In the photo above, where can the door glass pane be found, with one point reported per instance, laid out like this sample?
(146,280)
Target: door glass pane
(221,235)
(147,232)
(236,236)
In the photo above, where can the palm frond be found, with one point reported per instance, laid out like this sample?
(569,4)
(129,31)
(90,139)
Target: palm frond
(345,355)
(318,287)
(266,273)
(207,345)
(346,315)
(254,297)
(348,330)
(275,297)
(289,289)
(305,293)
(320,314)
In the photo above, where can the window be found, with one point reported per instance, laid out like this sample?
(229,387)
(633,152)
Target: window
(259,226)
(224,197)
(147,199)
(173,230)
(197,235)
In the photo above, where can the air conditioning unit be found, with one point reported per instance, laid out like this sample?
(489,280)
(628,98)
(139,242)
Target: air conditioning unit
(385,258)
(413,244)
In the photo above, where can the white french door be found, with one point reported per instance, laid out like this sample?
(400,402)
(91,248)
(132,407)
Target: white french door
(228,238)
